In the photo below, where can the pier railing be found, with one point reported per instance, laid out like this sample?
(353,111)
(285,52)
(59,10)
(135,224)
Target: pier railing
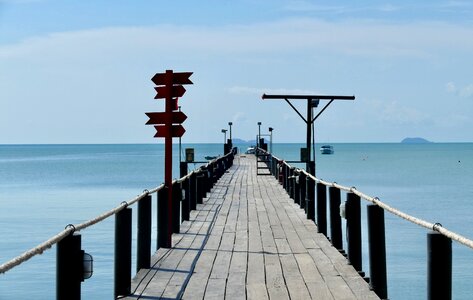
(73,265)
(311,194)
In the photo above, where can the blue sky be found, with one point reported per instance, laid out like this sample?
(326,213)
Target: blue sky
(79,71)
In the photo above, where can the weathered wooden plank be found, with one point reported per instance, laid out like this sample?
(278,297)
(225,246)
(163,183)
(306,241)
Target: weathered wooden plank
(215,289)
(235,289)
(255,280)
(221,265)
(275,284)
(294,280)
(195,289)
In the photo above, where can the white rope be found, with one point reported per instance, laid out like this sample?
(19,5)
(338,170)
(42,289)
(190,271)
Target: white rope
(39,249)
(375,200)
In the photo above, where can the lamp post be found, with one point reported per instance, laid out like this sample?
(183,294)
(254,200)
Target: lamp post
(259,135)
(271,139)
(224,131)
(230,124)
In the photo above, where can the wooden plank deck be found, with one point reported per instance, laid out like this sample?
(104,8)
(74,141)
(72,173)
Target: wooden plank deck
(249,241)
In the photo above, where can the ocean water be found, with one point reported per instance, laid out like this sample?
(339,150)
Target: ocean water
(45,187)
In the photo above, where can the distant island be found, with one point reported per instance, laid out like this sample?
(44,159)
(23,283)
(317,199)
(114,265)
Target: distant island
(415,140)
(240,141)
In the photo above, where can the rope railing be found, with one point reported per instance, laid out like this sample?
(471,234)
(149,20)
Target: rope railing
(39,249)
(375,200)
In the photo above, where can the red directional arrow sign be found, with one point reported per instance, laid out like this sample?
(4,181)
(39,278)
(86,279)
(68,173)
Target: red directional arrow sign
(177,78)
(176,131)
(176,117)
(173,91)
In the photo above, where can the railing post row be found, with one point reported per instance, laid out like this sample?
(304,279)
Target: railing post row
(377,250)
(123,252)
(143,243)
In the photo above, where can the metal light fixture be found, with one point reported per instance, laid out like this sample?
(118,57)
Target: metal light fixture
(88,266)
(224,131)
(230,124)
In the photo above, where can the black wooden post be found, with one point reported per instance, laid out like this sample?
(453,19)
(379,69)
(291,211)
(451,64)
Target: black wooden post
(439,266)
(353,215)
(183,168)
(193,191)
(292,183)
(377,250)
(186,202)
(208,180)
(297,195)
(310,201)
(321,208)
(335,219)
(302,189)
(143,243)
(163,241)
(284,176)
(176,207)
(123,252)
(69,267)
(200,188)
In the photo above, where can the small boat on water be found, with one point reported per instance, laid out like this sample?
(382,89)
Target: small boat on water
(250,150)
(326,149)
(210,157)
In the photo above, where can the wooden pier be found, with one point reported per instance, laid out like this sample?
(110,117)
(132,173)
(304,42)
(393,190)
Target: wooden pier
(249,240)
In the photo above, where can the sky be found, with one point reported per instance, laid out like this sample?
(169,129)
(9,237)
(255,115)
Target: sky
(80,71)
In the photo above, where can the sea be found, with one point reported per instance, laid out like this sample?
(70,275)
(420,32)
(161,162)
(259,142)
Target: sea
(43,188)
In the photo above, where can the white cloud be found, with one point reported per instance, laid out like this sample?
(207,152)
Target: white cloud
(464,92)
(450,87)
(467,91)
(290,36)
(242,90)
(396,113)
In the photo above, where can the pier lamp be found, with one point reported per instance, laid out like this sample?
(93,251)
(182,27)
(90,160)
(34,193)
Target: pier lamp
(270,139)
(230,124)
(224,131)
(259,134)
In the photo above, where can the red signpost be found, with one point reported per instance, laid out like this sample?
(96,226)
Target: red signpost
(156,118)
(168,126)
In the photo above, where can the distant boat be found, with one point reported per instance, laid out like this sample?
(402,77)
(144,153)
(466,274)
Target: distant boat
(326,149)
(210,157)
(250,150)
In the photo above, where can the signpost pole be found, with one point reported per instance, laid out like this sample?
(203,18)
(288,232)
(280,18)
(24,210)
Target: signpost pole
(168,155)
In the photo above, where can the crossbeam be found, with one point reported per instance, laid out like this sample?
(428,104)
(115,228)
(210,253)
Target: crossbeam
(305,97)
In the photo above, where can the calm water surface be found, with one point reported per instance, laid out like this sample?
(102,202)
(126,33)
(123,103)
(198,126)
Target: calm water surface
(45,187)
